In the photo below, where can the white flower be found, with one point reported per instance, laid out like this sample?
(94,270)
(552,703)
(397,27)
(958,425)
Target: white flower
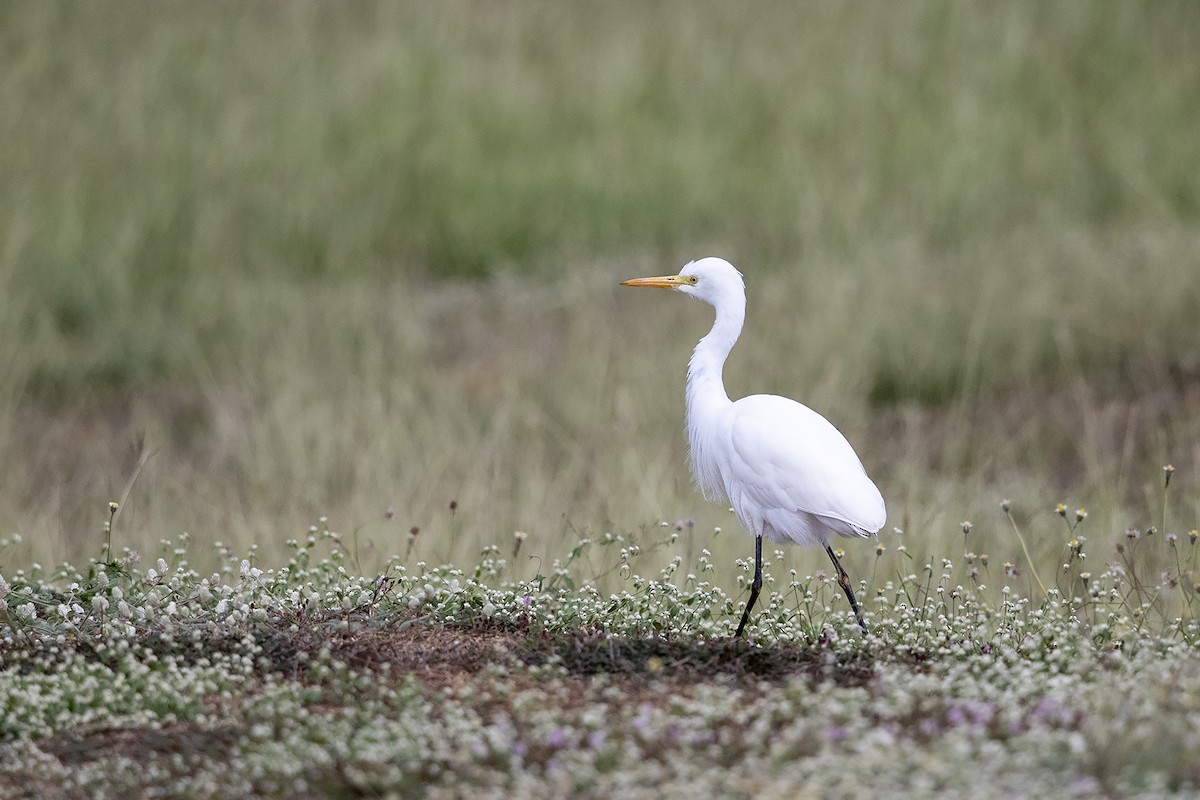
(99,604)
(162,565)
(27,611)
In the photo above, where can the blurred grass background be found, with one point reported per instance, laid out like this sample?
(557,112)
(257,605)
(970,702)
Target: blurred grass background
(317,259)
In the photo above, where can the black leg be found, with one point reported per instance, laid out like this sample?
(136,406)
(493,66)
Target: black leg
(844,582)
(755,587)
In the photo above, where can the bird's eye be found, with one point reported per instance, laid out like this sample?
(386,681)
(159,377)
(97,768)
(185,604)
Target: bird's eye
(693,279)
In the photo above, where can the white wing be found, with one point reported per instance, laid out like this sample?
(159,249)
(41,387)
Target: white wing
(792,474)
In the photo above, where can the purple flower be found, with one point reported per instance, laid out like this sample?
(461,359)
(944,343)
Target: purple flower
(835,734)
(981,712)
(1084,785)
(557,738)
(1049,711)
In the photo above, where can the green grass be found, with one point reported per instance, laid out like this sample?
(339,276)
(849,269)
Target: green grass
(235,240)
(156,166)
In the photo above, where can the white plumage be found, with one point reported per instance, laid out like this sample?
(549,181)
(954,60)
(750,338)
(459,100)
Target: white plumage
(789,475)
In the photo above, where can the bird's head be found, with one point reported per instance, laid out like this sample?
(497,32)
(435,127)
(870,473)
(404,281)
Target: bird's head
(709,279)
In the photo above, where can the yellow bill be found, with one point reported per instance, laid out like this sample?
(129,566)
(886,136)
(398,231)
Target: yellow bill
(664,282)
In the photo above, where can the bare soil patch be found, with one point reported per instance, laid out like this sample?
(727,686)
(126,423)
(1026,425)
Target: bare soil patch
(436,656)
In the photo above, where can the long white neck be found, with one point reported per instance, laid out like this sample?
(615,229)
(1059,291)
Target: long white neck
(706,395)
(704,381)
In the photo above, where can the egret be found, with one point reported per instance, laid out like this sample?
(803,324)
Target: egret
(789,475)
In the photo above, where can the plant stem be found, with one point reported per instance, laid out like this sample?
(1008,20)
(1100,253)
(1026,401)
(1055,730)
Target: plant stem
(1025,550)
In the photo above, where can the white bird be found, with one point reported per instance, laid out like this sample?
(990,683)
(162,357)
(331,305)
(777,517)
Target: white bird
(789,475)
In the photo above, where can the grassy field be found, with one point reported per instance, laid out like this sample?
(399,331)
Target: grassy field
(272,266)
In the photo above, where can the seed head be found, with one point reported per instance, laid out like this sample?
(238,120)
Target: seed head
(1168,470)
(966,527)
(1005,505)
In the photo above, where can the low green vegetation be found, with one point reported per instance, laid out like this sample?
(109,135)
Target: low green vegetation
(310,681)
(236,244)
